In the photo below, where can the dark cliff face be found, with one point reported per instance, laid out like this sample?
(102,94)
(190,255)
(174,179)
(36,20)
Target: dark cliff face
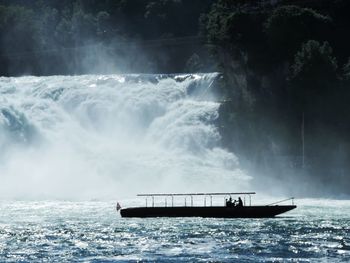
(304,155)
(280,139)
(285,91)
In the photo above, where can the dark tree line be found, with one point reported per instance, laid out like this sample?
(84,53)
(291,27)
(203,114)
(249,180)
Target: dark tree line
(287,88)
(33,32)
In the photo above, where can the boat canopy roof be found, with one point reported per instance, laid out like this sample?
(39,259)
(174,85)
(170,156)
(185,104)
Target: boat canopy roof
(203,194)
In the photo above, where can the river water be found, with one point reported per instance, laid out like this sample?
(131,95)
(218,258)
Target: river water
(62,231)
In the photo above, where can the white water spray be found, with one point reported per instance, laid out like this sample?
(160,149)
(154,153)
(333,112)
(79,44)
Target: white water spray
(84,137)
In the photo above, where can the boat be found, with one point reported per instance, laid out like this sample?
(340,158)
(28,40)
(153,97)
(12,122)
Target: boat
(229,209)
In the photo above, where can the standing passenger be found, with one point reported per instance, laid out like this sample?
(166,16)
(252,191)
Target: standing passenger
(240,203)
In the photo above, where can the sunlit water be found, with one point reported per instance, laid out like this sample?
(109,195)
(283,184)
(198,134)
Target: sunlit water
(55,231)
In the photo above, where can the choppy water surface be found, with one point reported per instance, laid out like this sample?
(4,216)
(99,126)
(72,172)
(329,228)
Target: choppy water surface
(93,232)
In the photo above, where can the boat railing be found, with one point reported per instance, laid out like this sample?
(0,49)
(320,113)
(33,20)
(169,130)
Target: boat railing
(191,195)
(282,201)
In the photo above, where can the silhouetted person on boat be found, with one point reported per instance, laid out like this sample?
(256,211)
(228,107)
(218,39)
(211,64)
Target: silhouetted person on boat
(229,202)
(240,203)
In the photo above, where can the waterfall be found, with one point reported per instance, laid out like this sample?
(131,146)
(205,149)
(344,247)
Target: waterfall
(102,136)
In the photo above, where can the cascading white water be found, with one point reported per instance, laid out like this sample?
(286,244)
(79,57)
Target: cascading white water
(84,137)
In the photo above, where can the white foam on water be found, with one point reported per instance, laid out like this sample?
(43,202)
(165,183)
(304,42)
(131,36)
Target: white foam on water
(105,136)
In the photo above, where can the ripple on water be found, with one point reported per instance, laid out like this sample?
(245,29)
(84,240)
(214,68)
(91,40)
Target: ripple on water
(92,232)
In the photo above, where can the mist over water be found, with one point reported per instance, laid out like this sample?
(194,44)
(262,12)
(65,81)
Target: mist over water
(107,136)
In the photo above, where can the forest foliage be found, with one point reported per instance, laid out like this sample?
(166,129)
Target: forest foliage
(288,89)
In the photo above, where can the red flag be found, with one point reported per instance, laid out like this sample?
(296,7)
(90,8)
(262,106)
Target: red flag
(118,206)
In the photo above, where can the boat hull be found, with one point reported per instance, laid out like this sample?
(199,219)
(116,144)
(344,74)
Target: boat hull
(212,211)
